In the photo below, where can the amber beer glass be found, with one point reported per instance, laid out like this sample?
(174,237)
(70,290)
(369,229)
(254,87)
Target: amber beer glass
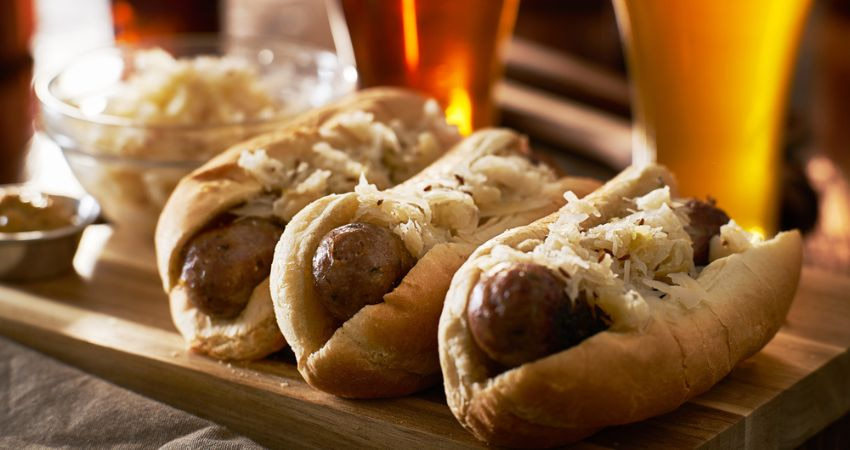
(450,49)
(710,81)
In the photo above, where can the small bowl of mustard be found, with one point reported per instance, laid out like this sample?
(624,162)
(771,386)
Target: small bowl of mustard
(39,232)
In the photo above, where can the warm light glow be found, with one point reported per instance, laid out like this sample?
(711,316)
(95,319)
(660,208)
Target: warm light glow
(759,231)
(123,18)
(122,13)
(434,47)
(411,34)
(459,110)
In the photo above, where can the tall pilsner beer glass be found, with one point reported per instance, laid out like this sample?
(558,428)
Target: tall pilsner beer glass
(710,81)
(449,49)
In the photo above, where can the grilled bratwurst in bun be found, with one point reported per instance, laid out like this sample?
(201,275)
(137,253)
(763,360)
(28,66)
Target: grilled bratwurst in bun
(620,306)
(358,279)
(216,236)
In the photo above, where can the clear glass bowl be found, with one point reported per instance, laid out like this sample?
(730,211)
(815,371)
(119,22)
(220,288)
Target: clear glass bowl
(131,167)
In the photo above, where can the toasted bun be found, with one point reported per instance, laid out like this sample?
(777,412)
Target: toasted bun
(388,349)
(616,377)
(222,184)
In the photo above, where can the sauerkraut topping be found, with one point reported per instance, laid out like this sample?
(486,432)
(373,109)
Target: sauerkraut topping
(468,202)
(352,145)
(732,239)
(625,262)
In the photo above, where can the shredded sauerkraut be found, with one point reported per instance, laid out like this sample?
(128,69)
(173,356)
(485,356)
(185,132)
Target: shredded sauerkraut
(164,90)
(352,145)
(732,239)
(468,202)
(623,263)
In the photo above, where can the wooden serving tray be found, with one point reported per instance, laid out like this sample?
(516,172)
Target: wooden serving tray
(112,320)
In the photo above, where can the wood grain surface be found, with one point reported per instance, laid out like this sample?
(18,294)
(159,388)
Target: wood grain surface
(111,319)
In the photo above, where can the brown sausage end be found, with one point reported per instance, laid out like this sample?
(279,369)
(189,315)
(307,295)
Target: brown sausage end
(223,264)
(356,265)
(522,313)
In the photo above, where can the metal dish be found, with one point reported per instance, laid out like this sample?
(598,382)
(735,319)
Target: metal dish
(32,255)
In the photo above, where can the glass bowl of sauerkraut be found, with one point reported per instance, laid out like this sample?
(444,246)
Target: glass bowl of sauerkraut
(132,120)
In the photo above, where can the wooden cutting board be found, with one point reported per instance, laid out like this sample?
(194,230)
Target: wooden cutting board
(112,319)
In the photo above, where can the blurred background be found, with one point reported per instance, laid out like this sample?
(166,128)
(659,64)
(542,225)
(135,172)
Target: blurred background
(565,85)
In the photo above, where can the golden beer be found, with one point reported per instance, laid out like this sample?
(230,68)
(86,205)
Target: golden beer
(710,81)
(449,49)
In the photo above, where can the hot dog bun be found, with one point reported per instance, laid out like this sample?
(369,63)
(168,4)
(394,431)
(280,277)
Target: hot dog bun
(656,355)
(389,133)
(442,214)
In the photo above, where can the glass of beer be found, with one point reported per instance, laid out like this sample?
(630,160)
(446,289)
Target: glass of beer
(710,80)
(451,50)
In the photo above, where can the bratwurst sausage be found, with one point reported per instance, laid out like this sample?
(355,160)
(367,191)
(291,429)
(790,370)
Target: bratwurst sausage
(705,221)
(355,265)
(522,313)
(225,263)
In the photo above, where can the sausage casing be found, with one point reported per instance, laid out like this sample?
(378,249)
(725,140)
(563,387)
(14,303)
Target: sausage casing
(224,264)
(522,313)
(705,221)
(356,265)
